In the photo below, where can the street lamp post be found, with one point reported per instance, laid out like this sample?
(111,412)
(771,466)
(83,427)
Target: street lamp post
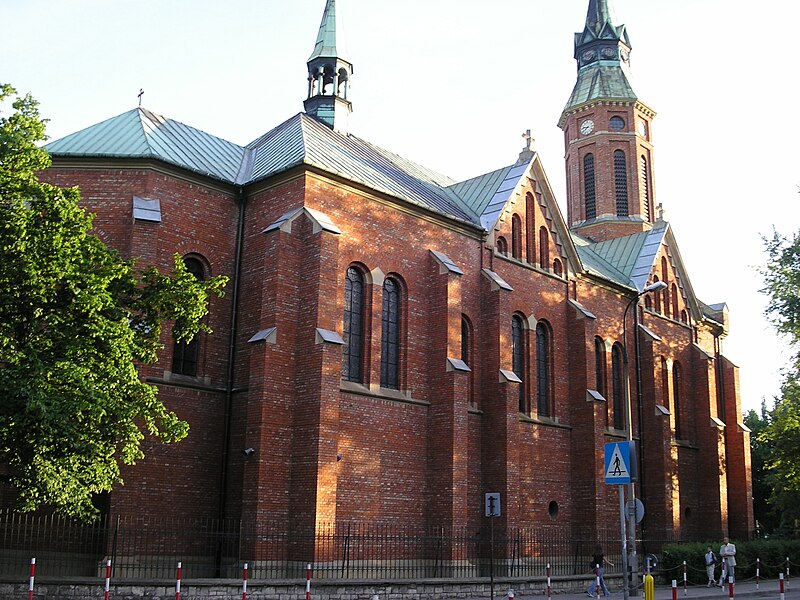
(632,559)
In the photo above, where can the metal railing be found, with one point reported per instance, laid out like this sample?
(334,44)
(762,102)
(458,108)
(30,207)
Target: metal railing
(149,548)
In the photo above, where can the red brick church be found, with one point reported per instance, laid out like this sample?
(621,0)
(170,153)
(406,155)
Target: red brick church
(394,344)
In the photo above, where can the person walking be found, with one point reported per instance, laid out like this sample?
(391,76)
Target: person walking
(711,565)
(727,553)
(598,566)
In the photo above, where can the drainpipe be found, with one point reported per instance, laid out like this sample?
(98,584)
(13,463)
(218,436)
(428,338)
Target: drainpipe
(226,425)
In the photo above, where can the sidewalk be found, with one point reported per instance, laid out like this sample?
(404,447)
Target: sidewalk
(744,589)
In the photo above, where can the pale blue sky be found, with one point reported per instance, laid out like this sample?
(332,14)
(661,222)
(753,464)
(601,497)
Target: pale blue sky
(452,84)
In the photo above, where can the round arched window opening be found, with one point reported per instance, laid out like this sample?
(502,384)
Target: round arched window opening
(552,509)
(616,123)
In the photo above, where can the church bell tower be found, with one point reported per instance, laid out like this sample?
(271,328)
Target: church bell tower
(329,74)
(607,135)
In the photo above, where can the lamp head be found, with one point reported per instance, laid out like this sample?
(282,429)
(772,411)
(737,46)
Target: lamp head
(654,287)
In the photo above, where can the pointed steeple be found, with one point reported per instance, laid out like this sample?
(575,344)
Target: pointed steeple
(329,74)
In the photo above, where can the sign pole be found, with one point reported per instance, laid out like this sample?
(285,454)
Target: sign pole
(624,537)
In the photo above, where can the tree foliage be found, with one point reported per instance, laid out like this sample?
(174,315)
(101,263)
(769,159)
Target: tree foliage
(75,319)
(781,434)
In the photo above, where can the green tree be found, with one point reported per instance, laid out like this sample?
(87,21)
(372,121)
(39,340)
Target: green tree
(760,452)
(75,319)
(782,432)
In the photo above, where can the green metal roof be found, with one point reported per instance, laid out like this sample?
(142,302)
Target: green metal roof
(330,39)
(601,82)
(140,133)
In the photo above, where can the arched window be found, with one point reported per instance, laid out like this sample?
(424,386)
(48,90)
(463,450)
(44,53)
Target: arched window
(621,182)
(518,358)
(354,307)
(543,379)
(617,389)
(544,247)
(645,176)
(558,269)
(664,382)
(390,334)
(677,396)
(657,296)
(185,354)
(502,245)
(665,291)
(516,237)
(589,198)
(648,302)
(600,366)
(674,296)
(466,355)
(684,316)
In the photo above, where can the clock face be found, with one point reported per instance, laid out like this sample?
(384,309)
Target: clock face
(588,55)
(642,128)
(587,127)
(608,52)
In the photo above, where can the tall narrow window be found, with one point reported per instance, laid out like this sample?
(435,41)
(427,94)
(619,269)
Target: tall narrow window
(645,175)
(664,382)
(543,383)
(516,237)
(544,247)
(466,355)
(621,182)
(674,297)
(600,366)
(657,296)
(617,383)
(185,354)
(353,351)
(589,198)
(518,357)
(390,335)
(665,291)
(677,396)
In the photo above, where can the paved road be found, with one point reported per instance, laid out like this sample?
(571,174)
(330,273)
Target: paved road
(743,589)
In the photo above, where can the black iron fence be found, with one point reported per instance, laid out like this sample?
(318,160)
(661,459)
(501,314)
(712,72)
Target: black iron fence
(150,548)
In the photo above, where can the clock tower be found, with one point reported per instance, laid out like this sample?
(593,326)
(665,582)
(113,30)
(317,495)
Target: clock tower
(607,135)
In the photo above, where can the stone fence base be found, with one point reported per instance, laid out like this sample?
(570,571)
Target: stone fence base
(205,589)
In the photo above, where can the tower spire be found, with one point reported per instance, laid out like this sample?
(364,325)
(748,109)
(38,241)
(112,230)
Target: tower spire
(329,73)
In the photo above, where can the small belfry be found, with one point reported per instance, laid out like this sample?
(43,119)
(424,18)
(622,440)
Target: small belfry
(329,74)
(609,155)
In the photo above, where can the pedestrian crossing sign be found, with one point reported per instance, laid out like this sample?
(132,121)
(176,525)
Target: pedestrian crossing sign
(619,457)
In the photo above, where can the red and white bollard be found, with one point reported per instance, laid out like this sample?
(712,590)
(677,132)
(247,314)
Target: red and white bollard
(597,581)
(674,589)
(30,579)
(244,583)
(685,580)
(758,572)
(730,587)
(178,583)
(108,579)
(549,584)
(308,582)
(781,586)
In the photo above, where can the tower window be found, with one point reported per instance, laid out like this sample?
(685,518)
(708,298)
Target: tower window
(621,182)
(466,355)
(353,350)
(645,186)
(589,198)
(616,123)
(600,366)
(390,335)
